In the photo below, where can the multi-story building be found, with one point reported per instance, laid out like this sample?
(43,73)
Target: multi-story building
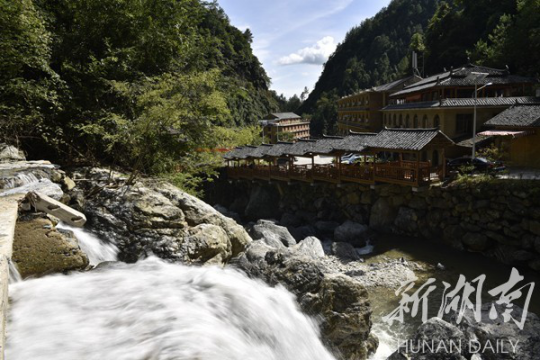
(360,112)
(284,127)
(447,101)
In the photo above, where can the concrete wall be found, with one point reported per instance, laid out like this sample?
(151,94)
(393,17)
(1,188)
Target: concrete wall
(8,218)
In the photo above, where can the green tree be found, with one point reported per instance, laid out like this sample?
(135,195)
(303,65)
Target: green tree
(27,83)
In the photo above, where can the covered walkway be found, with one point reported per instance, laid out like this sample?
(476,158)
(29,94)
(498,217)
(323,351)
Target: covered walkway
(392,156)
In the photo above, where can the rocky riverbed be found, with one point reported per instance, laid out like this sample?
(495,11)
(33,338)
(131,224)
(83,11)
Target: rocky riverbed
(343,274)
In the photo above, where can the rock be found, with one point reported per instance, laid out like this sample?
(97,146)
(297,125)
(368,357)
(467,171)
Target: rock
(406,220)
(208,244)
(303,232)
(39,249)
(289,219)
(344,251)
(476,241)
(436,331)
(262,203)
(382,215)
(339,302)
(156,218)
(490,331)
(68,183)
(534,227)
(10,153)
(310,247)
(265,229)
(351,232)
(326,227)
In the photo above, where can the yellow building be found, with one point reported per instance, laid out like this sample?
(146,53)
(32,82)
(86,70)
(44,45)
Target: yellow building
(519,128)
(446,101)
(284,127)
(360,112)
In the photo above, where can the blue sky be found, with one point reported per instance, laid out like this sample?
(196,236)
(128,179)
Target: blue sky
(293,38)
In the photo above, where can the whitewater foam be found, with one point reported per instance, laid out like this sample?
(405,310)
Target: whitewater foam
(156,310)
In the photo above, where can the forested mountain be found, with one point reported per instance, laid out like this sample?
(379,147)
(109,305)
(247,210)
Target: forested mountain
(495,33)
(148,85)
(373,53)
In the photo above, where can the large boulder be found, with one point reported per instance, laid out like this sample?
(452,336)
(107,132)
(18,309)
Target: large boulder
(10,153)
(156,218)
(443,335)
(382,215)
(352,232)
(38,248)
(344,251)
(310,247)
(488,339)
(262,203)
(265,229)
(340,302)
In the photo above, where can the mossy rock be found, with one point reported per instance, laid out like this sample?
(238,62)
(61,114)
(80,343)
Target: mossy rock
(39,248)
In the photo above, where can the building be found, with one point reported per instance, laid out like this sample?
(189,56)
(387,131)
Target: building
(446,101)
(360,112)
(284,127)
(518,130)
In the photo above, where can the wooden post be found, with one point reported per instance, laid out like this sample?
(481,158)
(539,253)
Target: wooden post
(443,175)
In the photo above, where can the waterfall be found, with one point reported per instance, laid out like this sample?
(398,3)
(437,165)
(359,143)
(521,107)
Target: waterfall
(97,250)
(14,275)
(157,310)
(20,179)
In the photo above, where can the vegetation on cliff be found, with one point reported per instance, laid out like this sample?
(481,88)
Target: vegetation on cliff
(152,86)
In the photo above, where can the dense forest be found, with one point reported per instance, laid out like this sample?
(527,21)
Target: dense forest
(151,86)
(444,33)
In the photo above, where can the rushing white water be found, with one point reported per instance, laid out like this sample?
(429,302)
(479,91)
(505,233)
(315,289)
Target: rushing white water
(14,275)
(97,250)
(156,310)
(20,179)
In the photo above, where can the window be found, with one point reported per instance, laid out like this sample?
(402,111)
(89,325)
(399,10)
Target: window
(464,123)
(400,120)
(407,122)
(395,120)
(436,121)
(415,121)
(424,121)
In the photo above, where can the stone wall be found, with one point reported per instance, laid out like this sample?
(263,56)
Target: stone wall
(500,218)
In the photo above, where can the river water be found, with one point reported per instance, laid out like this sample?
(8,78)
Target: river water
(156,310)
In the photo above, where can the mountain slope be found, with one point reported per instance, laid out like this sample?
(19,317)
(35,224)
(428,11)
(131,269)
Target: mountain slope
(375,52)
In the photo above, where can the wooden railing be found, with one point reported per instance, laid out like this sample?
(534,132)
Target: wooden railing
(301,172)
(326,172)
(403,173)
(360,172)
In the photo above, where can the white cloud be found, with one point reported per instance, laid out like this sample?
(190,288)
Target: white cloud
(316,54)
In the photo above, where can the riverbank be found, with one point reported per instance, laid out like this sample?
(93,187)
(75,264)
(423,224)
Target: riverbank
(498,218)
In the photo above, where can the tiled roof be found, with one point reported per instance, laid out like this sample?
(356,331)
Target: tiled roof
(465,102)
(279,149)
(392,85)
(356,142)
(301,148)
(260,151)
(282,116)
(407,139)
(458,77)
(239,152)
(518,116)
(388,139)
